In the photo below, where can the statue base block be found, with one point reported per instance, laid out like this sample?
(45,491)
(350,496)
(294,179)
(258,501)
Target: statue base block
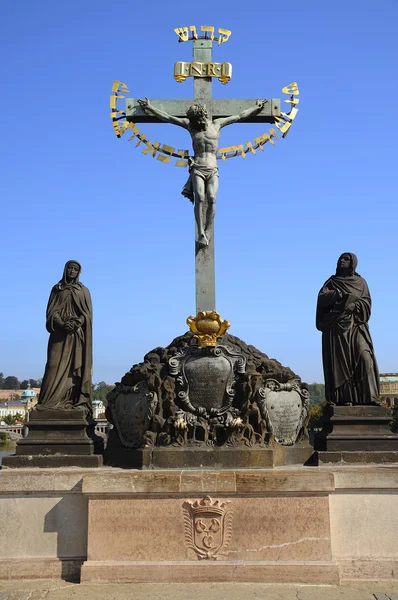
(356,434)
(56,438)
(196,457)
(350,457)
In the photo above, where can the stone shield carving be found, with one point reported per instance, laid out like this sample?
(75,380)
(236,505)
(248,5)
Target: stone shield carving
(284,407)
(205,379)
(208,527)
(132,408)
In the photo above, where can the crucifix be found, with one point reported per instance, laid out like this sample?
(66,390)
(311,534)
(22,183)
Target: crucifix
(203,117)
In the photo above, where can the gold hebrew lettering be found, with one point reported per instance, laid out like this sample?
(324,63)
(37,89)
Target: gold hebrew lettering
(112,102)
(290,115)
(115,85)
(182,33)
(284,130)
(149,148)
(230,149)
(292,100)
(208,28)
(117,112)
(134,128)
(141,138)
(194,34)
(165,159)
(262,139)
(249,147)
(292,88)
(224,35)
(227,149)
(167,149)
(182,162)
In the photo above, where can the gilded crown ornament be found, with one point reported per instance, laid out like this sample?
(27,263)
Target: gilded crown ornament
(207,326)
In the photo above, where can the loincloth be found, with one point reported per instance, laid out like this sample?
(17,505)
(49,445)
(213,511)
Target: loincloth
(205,173)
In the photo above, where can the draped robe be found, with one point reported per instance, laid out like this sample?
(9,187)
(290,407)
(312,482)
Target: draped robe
(67,378)
(349,363)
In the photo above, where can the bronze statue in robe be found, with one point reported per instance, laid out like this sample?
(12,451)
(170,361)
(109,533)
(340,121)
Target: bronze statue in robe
(67,378)
(349,362)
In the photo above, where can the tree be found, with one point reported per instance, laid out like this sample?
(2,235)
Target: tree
(11,383)
(394,422)
(1,381)
(34,383)
(10,419)
(316,411)
(317,393)
(100,390)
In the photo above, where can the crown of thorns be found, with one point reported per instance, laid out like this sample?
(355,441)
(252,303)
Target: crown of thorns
(197,110)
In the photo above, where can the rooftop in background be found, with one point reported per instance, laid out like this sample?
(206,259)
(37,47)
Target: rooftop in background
(388,377)
(5,394)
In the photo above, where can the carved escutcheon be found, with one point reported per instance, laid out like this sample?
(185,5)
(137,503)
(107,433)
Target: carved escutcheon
(132,408)
(208,527)
(284,406)
(205,379)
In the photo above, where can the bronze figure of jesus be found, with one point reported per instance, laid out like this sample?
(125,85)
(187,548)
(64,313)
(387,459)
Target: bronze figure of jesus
(202,185)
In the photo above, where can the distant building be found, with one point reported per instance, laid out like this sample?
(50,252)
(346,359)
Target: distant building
(98,408)
(389,389)
(10,394)
(29,397)
(13,408)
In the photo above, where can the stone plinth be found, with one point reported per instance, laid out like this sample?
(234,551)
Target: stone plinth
(356,434)
(307,525)
(209,526)
(56,438)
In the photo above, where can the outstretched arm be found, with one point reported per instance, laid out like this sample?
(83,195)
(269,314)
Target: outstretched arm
(162,115)
(254,110)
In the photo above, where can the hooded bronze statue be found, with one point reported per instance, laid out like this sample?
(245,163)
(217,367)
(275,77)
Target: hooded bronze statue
(67,378)
(343,312)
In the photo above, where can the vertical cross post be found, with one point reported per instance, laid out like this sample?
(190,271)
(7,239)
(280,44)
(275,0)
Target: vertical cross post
(204,257)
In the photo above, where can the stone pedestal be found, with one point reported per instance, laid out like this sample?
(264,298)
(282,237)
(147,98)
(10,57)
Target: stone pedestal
(356,434)
(290,524)
(56,438)
(194,526)
(199,457)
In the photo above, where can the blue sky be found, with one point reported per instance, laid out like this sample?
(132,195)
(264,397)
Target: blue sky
(71,189)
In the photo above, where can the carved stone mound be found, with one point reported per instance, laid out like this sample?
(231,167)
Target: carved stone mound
(132,409)
(284,406)
(187,396)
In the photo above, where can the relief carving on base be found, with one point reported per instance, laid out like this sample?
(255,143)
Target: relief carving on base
(207,527)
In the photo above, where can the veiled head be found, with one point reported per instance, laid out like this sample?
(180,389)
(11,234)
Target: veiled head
(71,272)
(346,264)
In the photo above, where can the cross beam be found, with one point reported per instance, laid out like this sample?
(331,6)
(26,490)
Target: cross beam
(217,108)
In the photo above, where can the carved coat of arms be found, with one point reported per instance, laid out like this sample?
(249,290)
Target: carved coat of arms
(208,527)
